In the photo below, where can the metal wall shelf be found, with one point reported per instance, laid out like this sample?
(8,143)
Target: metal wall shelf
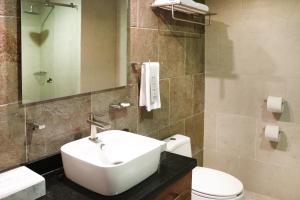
(181,6)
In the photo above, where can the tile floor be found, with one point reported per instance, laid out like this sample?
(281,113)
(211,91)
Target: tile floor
(255,196)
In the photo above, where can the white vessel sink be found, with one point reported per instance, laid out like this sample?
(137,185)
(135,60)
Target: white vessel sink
(120,161)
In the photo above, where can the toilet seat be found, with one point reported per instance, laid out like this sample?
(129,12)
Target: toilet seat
(210,197)
(214,184)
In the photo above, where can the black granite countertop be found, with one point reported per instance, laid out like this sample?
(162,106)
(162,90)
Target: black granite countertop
(172,168)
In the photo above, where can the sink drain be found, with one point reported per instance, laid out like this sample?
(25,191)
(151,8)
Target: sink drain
(117,162)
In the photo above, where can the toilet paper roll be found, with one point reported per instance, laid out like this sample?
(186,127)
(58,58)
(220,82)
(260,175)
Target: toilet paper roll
(275,104)
(272,133)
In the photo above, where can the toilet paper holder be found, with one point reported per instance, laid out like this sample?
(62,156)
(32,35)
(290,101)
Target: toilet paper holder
(275,104)
(273,133)
(265,100)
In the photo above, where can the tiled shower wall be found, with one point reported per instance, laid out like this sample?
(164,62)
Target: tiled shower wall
(252,51)
(178,47)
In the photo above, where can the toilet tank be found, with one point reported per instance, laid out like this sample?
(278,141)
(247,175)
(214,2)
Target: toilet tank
(179,144)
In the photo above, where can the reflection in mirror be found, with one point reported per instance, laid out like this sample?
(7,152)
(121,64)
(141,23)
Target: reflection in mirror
(71,47)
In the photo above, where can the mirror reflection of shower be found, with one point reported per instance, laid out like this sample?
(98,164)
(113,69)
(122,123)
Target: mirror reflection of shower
(31,11)
(47,3)
(48,28)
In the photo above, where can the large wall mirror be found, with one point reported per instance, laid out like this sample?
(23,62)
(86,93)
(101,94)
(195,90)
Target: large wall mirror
(71,47)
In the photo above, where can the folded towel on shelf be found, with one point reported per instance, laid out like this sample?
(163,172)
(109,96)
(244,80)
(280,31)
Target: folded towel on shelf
(189,3)
(149,89)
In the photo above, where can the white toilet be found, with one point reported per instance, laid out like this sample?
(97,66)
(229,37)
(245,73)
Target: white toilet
(207,184)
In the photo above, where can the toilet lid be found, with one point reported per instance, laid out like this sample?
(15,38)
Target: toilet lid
(215,183)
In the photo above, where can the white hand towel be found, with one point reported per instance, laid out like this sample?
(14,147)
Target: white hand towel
(143,89)
(149,90)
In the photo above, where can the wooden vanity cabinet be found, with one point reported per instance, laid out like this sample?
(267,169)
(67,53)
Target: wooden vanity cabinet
(179,190)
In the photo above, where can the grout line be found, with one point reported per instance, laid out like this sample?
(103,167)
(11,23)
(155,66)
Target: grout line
(239,157)
(216,131)
(185,54)
(137,13)
(150,29)
(165,79)
(193,95)
(282,166)
(137,109)
(184,126)
(237,115)
(4,16)
(9,104)
(255,138)
(25,131)
(91,103)
(172,31)
(169,80)
(158,47)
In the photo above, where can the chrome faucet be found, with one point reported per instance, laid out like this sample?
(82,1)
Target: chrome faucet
(94,123)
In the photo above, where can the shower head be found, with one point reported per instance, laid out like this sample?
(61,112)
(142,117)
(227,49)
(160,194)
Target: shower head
(31,11)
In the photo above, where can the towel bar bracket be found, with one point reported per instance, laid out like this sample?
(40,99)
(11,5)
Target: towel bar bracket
(192,21)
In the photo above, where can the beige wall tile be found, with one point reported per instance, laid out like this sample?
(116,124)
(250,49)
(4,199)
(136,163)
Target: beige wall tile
(8,7)
(291,182)
(210,133)
(222,161)
(133,13)
(266,13)
(102,100)
(173,129)
(125,119)
(198,96)
(199,157)
(283,52)
(8,37)
(228,11)
(62,118)
(119,119)
(252,52)
(8,54)
(143,45)
(9,84)
(154,135)
(252,58)
(244,28)
(146,17)
(44,145)
(293,22)
(171,54)
(247,26)
(12,136)
(284,153)
(181,94)
(275,86)
(194,129)
(255,196)
(166,23)
(262,178)
(236,135)
(212,50)
(194,58)
(156,119)
(293,99)
(235,94)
